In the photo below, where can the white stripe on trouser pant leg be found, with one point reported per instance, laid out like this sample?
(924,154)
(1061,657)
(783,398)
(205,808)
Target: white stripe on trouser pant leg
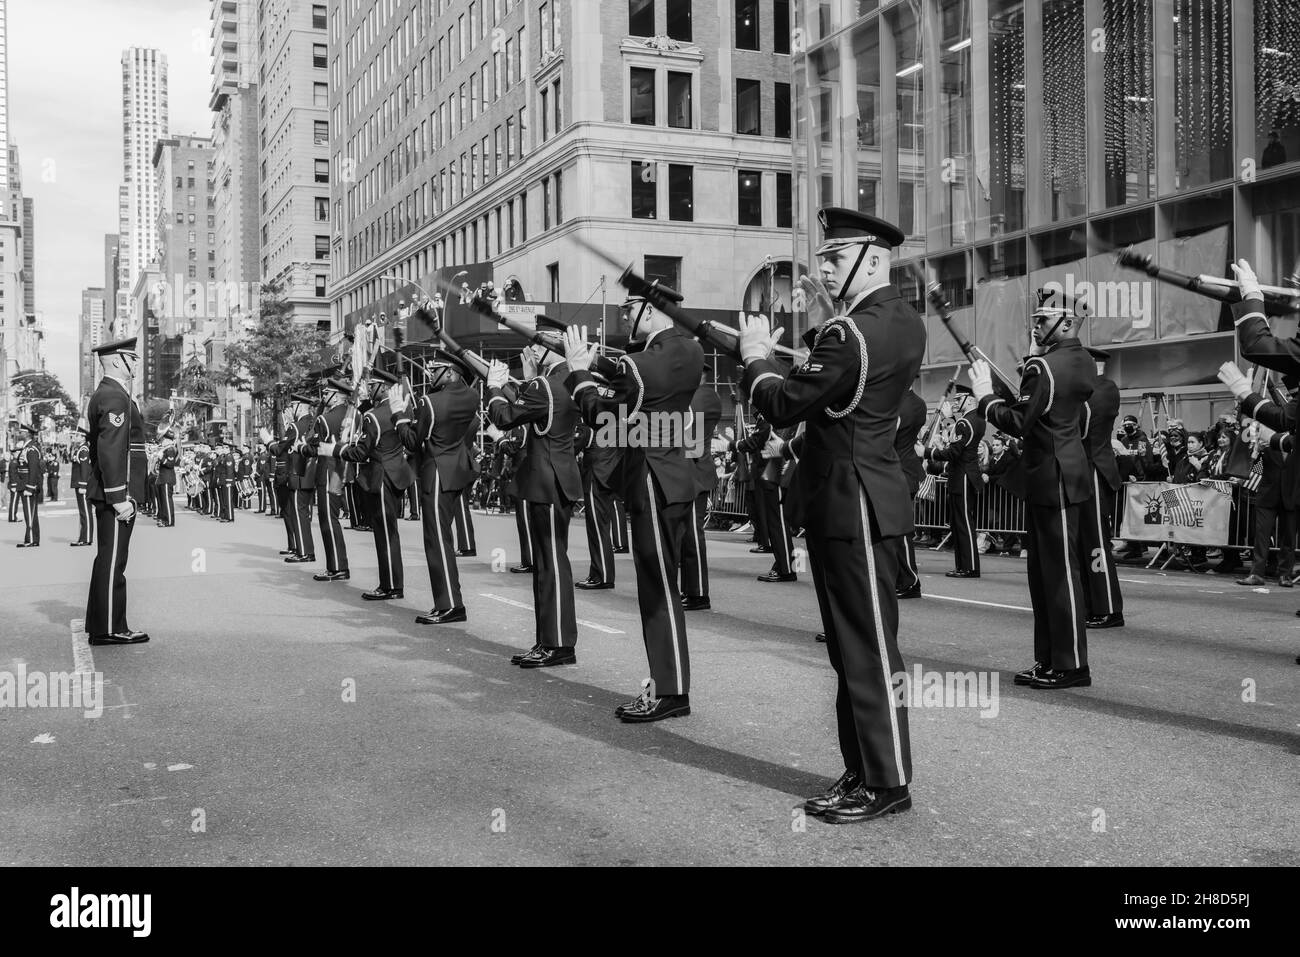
(699,555)
(528,534)
(385,556)
(112,577)
(600,542)
(1104,540)
(965,518)
(1069,577)
(555,565)
(297,517)
(663,571)
(785,532)
(880,635)
(437,515)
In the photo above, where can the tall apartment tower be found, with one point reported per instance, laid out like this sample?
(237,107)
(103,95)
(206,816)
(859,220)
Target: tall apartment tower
(144,122)
(235,144)
(294,165)
(91,333)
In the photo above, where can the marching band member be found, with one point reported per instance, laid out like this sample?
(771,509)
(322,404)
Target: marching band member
(118,470)
(1048,417)
(959,460)
(549,481)
(854,495)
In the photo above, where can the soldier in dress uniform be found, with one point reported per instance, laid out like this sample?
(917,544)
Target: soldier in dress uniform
(466,545)
(706,413)
(548,479)
(166,487)
(514,446)
(51,475)
(384,475)
(262,478)
(31,470)
(597,467)
(11,473)
(959,460)
(118,471)
(659,374)
(223,480)
(855,495)
(434,432)
(1048,417)
(80,481)
(327,476)
(302,478)
(911,420)
(749,453)
(285,506)
(1101,594)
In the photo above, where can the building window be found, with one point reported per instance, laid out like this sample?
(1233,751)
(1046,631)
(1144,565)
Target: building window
(318,16)
(666,269)
(320,132)
(749,115)
(784,201)
(322,171)
(679,100)
(645,200)
(681,193)
(679,20)
(782,118)
(319,55)
(322,209)
(320,287)
(553,273)
(559,197)
(320,94)
(546,115)
(780,26)
(641,18)
(323,248)
(746,24)
(642,96)
(546,203)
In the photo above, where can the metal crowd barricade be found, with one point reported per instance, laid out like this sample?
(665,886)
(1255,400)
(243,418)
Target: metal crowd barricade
(729,500)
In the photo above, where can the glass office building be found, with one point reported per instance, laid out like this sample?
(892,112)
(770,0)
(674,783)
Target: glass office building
(1018,143)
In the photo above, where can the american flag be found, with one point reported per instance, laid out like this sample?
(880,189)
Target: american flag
(1256,474)
(1219,485)
(1179,505)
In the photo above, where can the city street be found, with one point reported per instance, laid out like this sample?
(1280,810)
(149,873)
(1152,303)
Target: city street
(276,720)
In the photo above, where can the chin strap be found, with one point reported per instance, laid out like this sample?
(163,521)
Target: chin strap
(848,280)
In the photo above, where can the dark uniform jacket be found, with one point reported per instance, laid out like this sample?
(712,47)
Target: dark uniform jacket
(1259,345)
(660,378)
(32,469)
(1099,416)
(599,462)
(706,413)
(302,466)
(1006,470)
(119,465)
(961,456)
(849,392)
(327,428)
(167,460)
(80,477)
(911,420)
(379,449)
(438,434)
(1276,486)
(548,471)
(1048,416)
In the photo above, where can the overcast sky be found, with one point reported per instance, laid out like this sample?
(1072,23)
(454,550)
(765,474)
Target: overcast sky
(65,115)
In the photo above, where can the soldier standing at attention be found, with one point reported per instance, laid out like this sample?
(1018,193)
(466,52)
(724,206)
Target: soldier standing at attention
(962,466)
(30,474)
(118,469)
(1048,416)
(1102,599)
(855,495)
(80,481)
(328,479)
(167,460)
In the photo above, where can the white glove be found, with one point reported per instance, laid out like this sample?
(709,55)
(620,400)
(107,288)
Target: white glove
(125,510)
(398,401)
(757,340)
(1233,378)
(981,379)
(772,448)
(265,435)
(1264,434)
(498,374)
(1248,280)
(326,449)
(1118,447)
(577,352)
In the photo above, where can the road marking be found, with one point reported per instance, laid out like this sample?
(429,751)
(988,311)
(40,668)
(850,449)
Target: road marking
(44,738)
(82,657)
(972,601)
(527,607)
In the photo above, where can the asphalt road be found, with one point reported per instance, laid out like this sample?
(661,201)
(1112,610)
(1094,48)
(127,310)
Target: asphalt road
(234,736)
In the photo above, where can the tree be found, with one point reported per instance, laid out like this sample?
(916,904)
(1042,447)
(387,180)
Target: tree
(45,385)
(276,348)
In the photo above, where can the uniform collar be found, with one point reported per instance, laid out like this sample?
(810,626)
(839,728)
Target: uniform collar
(873,296)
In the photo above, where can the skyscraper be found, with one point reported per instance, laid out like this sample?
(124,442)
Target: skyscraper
(91,333)
(234,138)
(144,122)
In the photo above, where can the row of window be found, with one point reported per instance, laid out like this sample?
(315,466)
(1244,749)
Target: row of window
(681,195)
(641,22)
(643,96)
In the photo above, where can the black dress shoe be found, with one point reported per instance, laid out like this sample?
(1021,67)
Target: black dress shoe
(1029,674)
(549,657)
(443,617)
(913,592)
(78,544)
(1067,678)
(821,637)
(522,569)
(1106,621)
(867,804)
(695,603)
(761,550)
(592,584)
(299,559)
(365,528)
(833,795)
(775,576)
(287,551)
(622,551)
(120,638)
(644,710)
(28,545)
(959,573)
(382,594)
(332,577)
(466,553)
(1285,582)
(515,659)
